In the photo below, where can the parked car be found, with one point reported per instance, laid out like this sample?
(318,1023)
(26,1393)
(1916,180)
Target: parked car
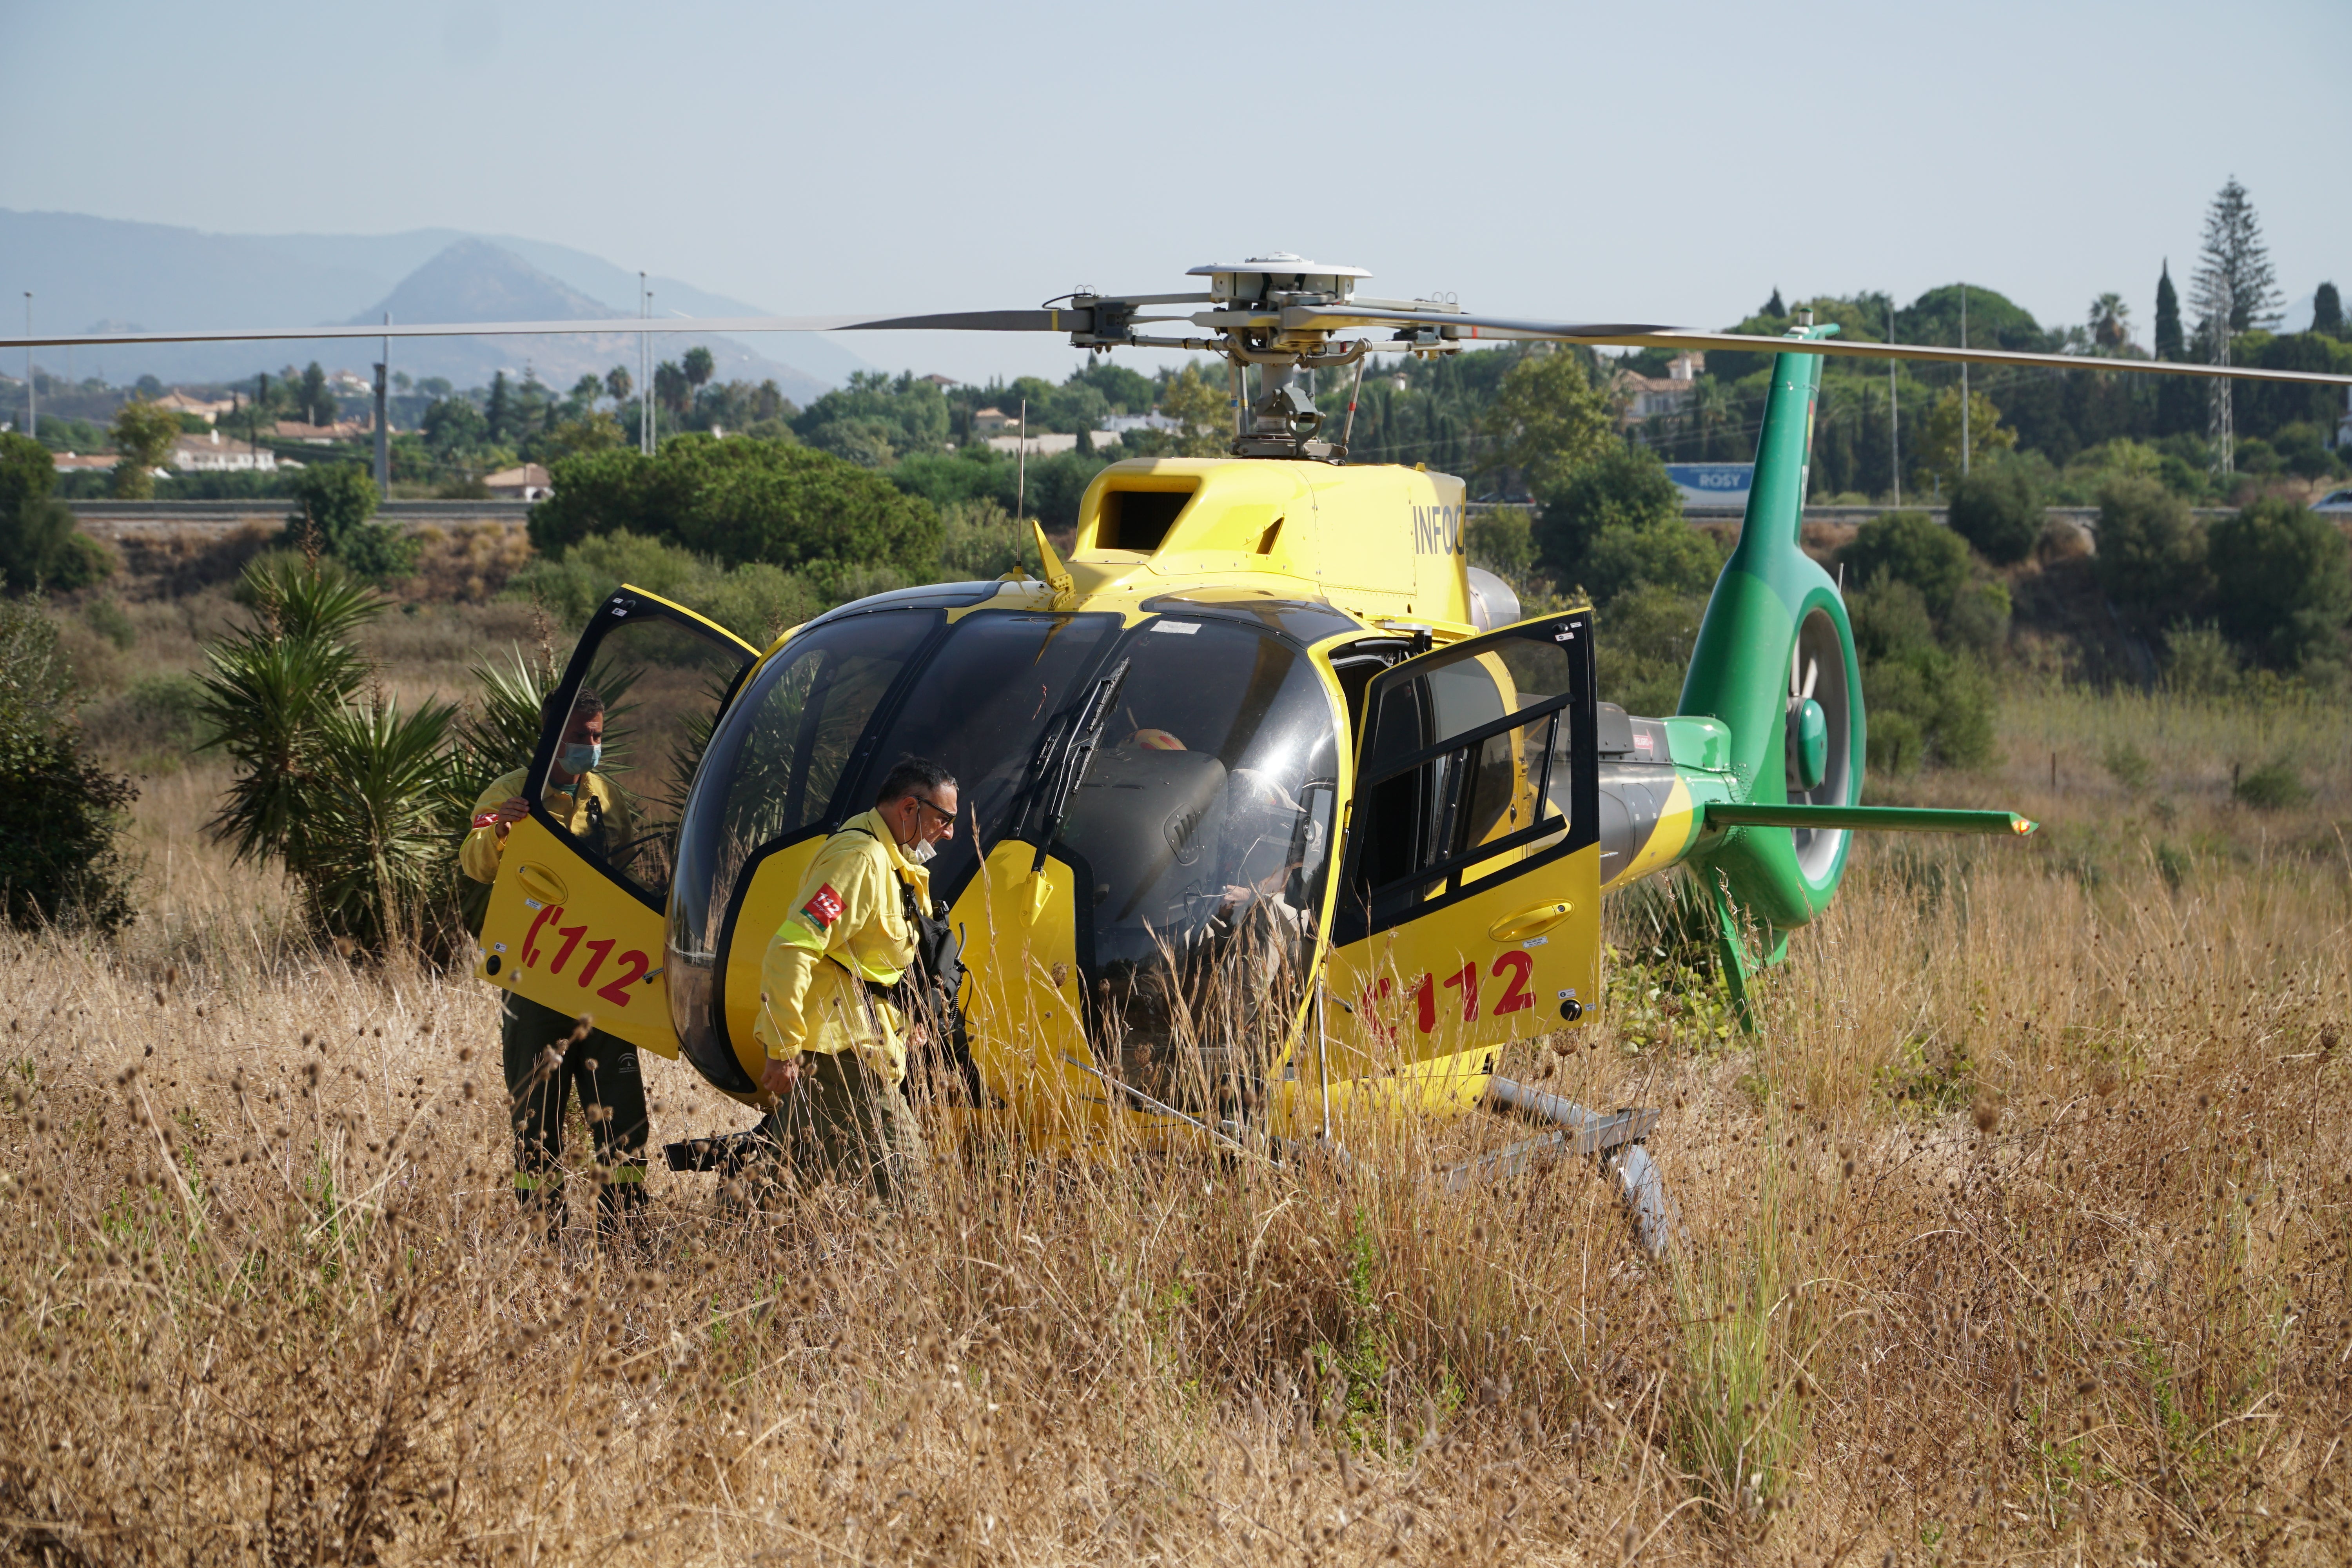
(2335,503)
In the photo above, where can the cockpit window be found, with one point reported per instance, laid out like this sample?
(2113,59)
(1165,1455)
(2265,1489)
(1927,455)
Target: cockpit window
(1203,827)
(776,763)
(981,708)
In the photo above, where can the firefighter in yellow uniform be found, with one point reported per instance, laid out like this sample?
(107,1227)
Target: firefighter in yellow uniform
(545,1053)
(834,1033)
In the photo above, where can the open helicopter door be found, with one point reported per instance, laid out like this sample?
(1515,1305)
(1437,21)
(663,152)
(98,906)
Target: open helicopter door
(1469,911)
(576,918)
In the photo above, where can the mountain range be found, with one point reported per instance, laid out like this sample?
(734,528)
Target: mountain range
(95,274)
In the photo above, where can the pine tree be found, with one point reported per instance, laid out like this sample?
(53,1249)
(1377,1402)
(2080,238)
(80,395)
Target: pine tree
(2328,311)
(2234,273)
(2234,291)
(1773,307)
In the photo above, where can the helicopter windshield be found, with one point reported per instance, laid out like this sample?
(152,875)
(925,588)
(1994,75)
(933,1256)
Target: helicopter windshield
(1202,827)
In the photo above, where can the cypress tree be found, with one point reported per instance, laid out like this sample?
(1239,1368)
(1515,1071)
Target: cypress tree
(2328,311)
(496,414)
(1773,307)
(2180,402)
(2168,341)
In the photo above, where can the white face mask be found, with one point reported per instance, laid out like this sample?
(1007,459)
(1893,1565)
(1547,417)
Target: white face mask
(921,854)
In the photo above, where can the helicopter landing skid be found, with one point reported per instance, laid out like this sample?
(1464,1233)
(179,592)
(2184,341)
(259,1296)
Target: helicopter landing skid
(1615,1139)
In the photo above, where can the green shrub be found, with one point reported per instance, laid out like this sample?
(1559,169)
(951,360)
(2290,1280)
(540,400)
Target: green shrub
(2200,662)
(2281,582)
(979,540)
(2151,553)
(332,504)
(1665,552)
(1502,540)
(1908,547)
(60,815)
(381,552)
(1624,488)
(1924,704)
(150,725)
(107,620)
(2273,786)
(1643,647)
(1999,512)
(2128,765)
(759,603)
(1978,618)
(740,501)
(41,546)
(755,601)
(979,473)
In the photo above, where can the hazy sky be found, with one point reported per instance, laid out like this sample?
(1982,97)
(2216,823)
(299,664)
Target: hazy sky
(1662,161)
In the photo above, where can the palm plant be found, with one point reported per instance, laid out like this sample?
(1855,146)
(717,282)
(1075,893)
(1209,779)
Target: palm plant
(377,855)
(2110,323)
(498,734)
(355,799)
(267,688)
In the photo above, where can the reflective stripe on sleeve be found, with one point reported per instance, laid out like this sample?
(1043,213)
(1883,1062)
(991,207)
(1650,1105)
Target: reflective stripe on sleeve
(797,932)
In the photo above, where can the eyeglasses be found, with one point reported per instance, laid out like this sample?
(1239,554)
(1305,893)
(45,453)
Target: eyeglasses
(944,815)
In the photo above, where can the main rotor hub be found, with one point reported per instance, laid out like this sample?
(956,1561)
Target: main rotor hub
(1278,279)
(1275,313)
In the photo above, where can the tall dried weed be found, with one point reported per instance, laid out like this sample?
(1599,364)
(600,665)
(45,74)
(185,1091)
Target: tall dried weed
(2019,1230)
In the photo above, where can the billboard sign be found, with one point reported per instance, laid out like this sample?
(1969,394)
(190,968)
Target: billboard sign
(1713,486)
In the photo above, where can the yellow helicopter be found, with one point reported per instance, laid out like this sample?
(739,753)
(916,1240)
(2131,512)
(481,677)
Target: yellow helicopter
(1274,811)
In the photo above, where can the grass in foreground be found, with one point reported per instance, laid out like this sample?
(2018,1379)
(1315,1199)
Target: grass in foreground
(2021,1230)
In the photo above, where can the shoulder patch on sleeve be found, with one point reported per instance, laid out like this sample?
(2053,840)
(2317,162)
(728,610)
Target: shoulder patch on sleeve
(824,907)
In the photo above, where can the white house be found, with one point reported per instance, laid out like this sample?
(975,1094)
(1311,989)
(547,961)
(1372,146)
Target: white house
(1651,396)
(529,482)
(1048,443)
(213,452)
(179,402)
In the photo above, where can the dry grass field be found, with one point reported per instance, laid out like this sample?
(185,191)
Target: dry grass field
(2021,1232)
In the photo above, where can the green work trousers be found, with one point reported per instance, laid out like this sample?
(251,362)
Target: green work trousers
(543,1063)
(844,1121)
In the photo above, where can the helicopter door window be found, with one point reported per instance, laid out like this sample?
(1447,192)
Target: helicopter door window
(632,734)
(1469,768)
(778,760)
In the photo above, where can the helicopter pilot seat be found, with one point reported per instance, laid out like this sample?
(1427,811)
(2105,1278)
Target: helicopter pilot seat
(1193,865)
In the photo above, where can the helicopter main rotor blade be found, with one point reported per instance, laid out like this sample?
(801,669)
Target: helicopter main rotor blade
(1045,320)
(1308,316)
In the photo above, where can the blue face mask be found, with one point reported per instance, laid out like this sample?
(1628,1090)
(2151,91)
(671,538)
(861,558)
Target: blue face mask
(580,757)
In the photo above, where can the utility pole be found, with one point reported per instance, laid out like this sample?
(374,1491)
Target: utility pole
(645,375)
(32,399)
(1894,412)
(383,425)
(1964,382)
(2221,416)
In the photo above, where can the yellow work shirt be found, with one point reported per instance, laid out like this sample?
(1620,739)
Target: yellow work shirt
(847,933)
(590,803)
